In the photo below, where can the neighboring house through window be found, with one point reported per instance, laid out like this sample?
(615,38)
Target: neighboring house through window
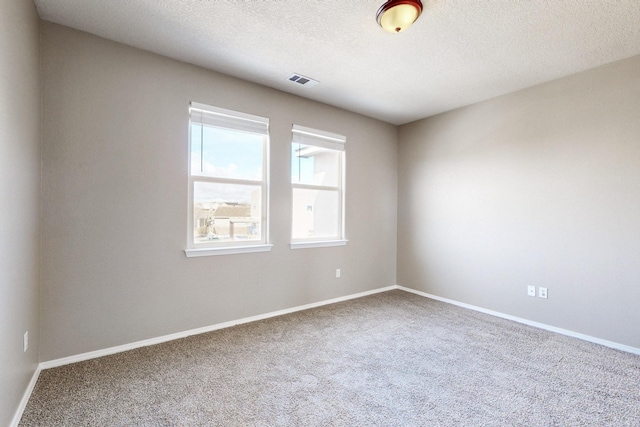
(317,181)
(228,193)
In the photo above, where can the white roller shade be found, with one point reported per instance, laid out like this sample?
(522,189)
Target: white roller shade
(228,119)
(318,138)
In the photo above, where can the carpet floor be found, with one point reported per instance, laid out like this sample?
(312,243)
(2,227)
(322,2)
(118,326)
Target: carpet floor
(390,359)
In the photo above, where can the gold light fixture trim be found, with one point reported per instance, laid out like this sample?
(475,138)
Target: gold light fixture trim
(396,16)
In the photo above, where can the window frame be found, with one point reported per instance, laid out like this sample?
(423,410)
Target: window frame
(237,122)
(335,142)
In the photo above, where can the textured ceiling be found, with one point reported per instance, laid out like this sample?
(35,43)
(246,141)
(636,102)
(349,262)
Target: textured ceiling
(459,52)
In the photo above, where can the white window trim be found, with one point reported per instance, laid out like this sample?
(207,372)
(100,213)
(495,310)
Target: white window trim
(317,244)
(228,248)
(320,138)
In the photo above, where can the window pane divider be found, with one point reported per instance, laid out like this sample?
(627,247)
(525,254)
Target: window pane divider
(201,178)
(315,187)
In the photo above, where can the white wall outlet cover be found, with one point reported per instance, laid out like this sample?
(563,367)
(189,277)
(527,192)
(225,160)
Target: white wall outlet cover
(542,292)
(337,272)
(531,291)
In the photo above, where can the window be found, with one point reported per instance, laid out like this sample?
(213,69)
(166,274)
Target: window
(317,181)
(227,181)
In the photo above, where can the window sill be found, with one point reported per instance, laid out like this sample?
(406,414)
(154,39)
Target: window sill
(317,244)
(229,250)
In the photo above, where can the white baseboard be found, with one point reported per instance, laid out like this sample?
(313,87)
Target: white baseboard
(561,331)
(25,398)
(152,341)
(118,349)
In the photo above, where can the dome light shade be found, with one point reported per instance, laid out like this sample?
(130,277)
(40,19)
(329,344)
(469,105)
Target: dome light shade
(397,15)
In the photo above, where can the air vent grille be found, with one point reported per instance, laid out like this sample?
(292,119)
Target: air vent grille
(302,80)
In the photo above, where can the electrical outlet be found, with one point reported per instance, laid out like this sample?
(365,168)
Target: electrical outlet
(531,291)
(25,342)
(542,292)
(337,272)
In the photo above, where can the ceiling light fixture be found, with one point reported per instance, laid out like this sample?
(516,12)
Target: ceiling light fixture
(397,15)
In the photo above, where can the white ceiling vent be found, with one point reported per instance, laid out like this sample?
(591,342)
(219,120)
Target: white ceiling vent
(302,80)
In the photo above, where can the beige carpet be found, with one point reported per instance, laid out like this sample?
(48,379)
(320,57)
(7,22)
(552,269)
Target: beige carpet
(391,359)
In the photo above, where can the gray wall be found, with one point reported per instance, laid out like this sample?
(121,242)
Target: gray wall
(540,187)
(115,201)
(19,200)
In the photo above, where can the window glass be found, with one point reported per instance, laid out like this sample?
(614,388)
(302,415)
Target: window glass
(315,213)
(314,165)
(225,153)
(226,212)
